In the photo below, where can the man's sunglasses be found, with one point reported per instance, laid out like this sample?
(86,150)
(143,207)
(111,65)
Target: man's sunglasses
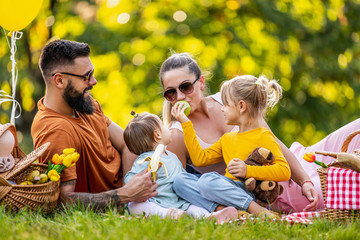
(86,77)
(185,88)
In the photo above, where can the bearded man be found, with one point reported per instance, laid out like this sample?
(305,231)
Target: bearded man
(68,117)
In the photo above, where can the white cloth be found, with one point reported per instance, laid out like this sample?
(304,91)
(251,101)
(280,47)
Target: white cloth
(151,208)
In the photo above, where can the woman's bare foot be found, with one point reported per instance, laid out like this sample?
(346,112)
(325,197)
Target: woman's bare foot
(175,213)
(224,215)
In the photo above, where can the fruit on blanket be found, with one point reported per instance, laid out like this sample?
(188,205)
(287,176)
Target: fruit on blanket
(33,176)
(350,161)
(187,107)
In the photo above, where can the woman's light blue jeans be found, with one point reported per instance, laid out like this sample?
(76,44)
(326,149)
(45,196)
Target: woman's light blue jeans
(211,189)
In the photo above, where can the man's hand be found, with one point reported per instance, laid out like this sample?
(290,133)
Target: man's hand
(312,195)
(237,168)
(97,201)
(140,188)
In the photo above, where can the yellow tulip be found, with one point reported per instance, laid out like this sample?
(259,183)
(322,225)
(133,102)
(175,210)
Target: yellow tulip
(61,157)
(53,175)
(75,157)
(67,161)
(71,159)
(68,151)
(309,157)
(56,159)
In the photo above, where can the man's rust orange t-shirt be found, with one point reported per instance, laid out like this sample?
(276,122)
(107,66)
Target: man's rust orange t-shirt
(99,166)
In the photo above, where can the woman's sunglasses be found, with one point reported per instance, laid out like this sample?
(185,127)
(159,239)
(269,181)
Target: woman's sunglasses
(185,88)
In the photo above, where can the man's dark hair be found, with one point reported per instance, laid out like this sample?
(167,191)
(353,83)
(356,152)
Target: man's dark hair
(61,52)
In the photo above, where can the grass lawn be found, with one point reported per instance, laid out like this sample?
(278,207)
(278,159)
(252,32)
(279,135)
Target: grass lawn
(77,223)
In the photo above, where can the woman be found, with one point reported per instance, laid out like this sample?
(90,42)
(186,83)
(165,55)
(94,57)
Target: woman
(181,79)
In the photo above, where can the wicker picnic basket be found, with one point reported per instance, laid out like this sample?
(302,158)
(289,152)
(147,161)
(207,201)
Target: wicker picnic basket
(38,197)
(337,214)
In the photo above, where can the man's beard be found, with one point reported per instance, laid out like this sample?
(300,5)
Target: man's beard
(77,101)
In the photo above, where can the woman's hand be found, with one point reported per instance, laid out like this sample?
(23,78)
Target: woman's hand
(237,168)
(178,112)
(312,195)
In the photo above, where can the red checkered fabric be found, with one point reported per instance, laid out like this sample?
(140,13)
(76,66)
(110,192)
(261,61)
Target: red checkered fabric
(343,189)
(308,215)
(292,219)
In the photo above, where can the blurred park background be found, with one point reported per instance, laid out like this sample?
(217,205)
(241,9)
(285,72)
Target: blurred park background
(311,46)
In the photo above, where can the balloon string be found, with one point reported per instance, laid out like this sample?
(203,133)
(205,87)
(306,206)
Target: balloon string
(14,75)
(4,97)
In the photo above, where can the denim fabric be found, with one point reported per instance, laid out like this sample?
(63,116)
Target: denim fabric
(223,190)
(185,186)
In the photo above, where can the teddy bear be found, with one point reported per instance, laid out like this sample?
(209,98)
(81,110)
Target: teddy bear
(266,192)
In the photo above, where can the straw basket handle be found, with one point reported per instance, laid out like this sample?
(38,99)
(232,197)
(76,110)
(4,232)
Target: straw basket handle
(5,187)
(331,154)
(344,147)
(348,140)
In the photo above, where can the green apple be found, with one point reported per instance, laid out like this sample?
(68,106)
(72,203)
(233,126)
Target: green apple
(187,107)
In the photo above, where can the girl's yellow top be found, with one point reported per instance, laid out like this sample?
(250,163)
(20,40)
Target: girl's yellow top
(239,145)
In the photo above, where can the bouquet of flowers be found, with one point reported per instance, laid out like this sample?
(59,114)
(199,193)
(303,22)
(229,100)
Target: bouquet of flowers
(59,162)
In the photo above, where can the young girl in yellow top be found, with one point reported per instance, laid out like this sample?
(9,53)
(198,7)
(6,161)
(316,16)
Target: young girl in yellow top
(245,99)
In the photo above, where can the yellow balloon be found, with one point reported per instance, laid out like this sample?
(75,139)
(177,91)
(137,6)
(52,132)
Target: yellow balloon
(17,14)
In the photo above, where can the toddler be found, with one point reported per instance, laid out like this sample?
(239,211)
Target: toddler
(142,135)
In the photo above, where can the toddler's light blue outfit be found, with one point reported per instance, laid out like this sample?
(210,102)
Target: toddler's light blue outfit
(166,197)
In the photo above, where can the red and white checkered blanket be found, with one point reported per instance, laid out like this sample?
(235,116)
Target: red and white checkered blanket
(343,189)
(294,218)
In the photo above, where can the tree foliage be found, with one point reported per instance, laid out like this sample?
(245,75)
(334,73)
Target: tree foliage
(311,46)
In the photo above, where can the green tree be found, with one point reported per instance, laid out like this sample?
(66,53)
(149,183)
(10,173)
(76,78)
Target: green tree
(310,46)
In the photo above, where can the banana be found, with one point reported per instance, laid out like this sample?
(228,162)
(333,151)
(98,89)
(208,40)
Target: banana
(33,176)
(43,178)
(155,160)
